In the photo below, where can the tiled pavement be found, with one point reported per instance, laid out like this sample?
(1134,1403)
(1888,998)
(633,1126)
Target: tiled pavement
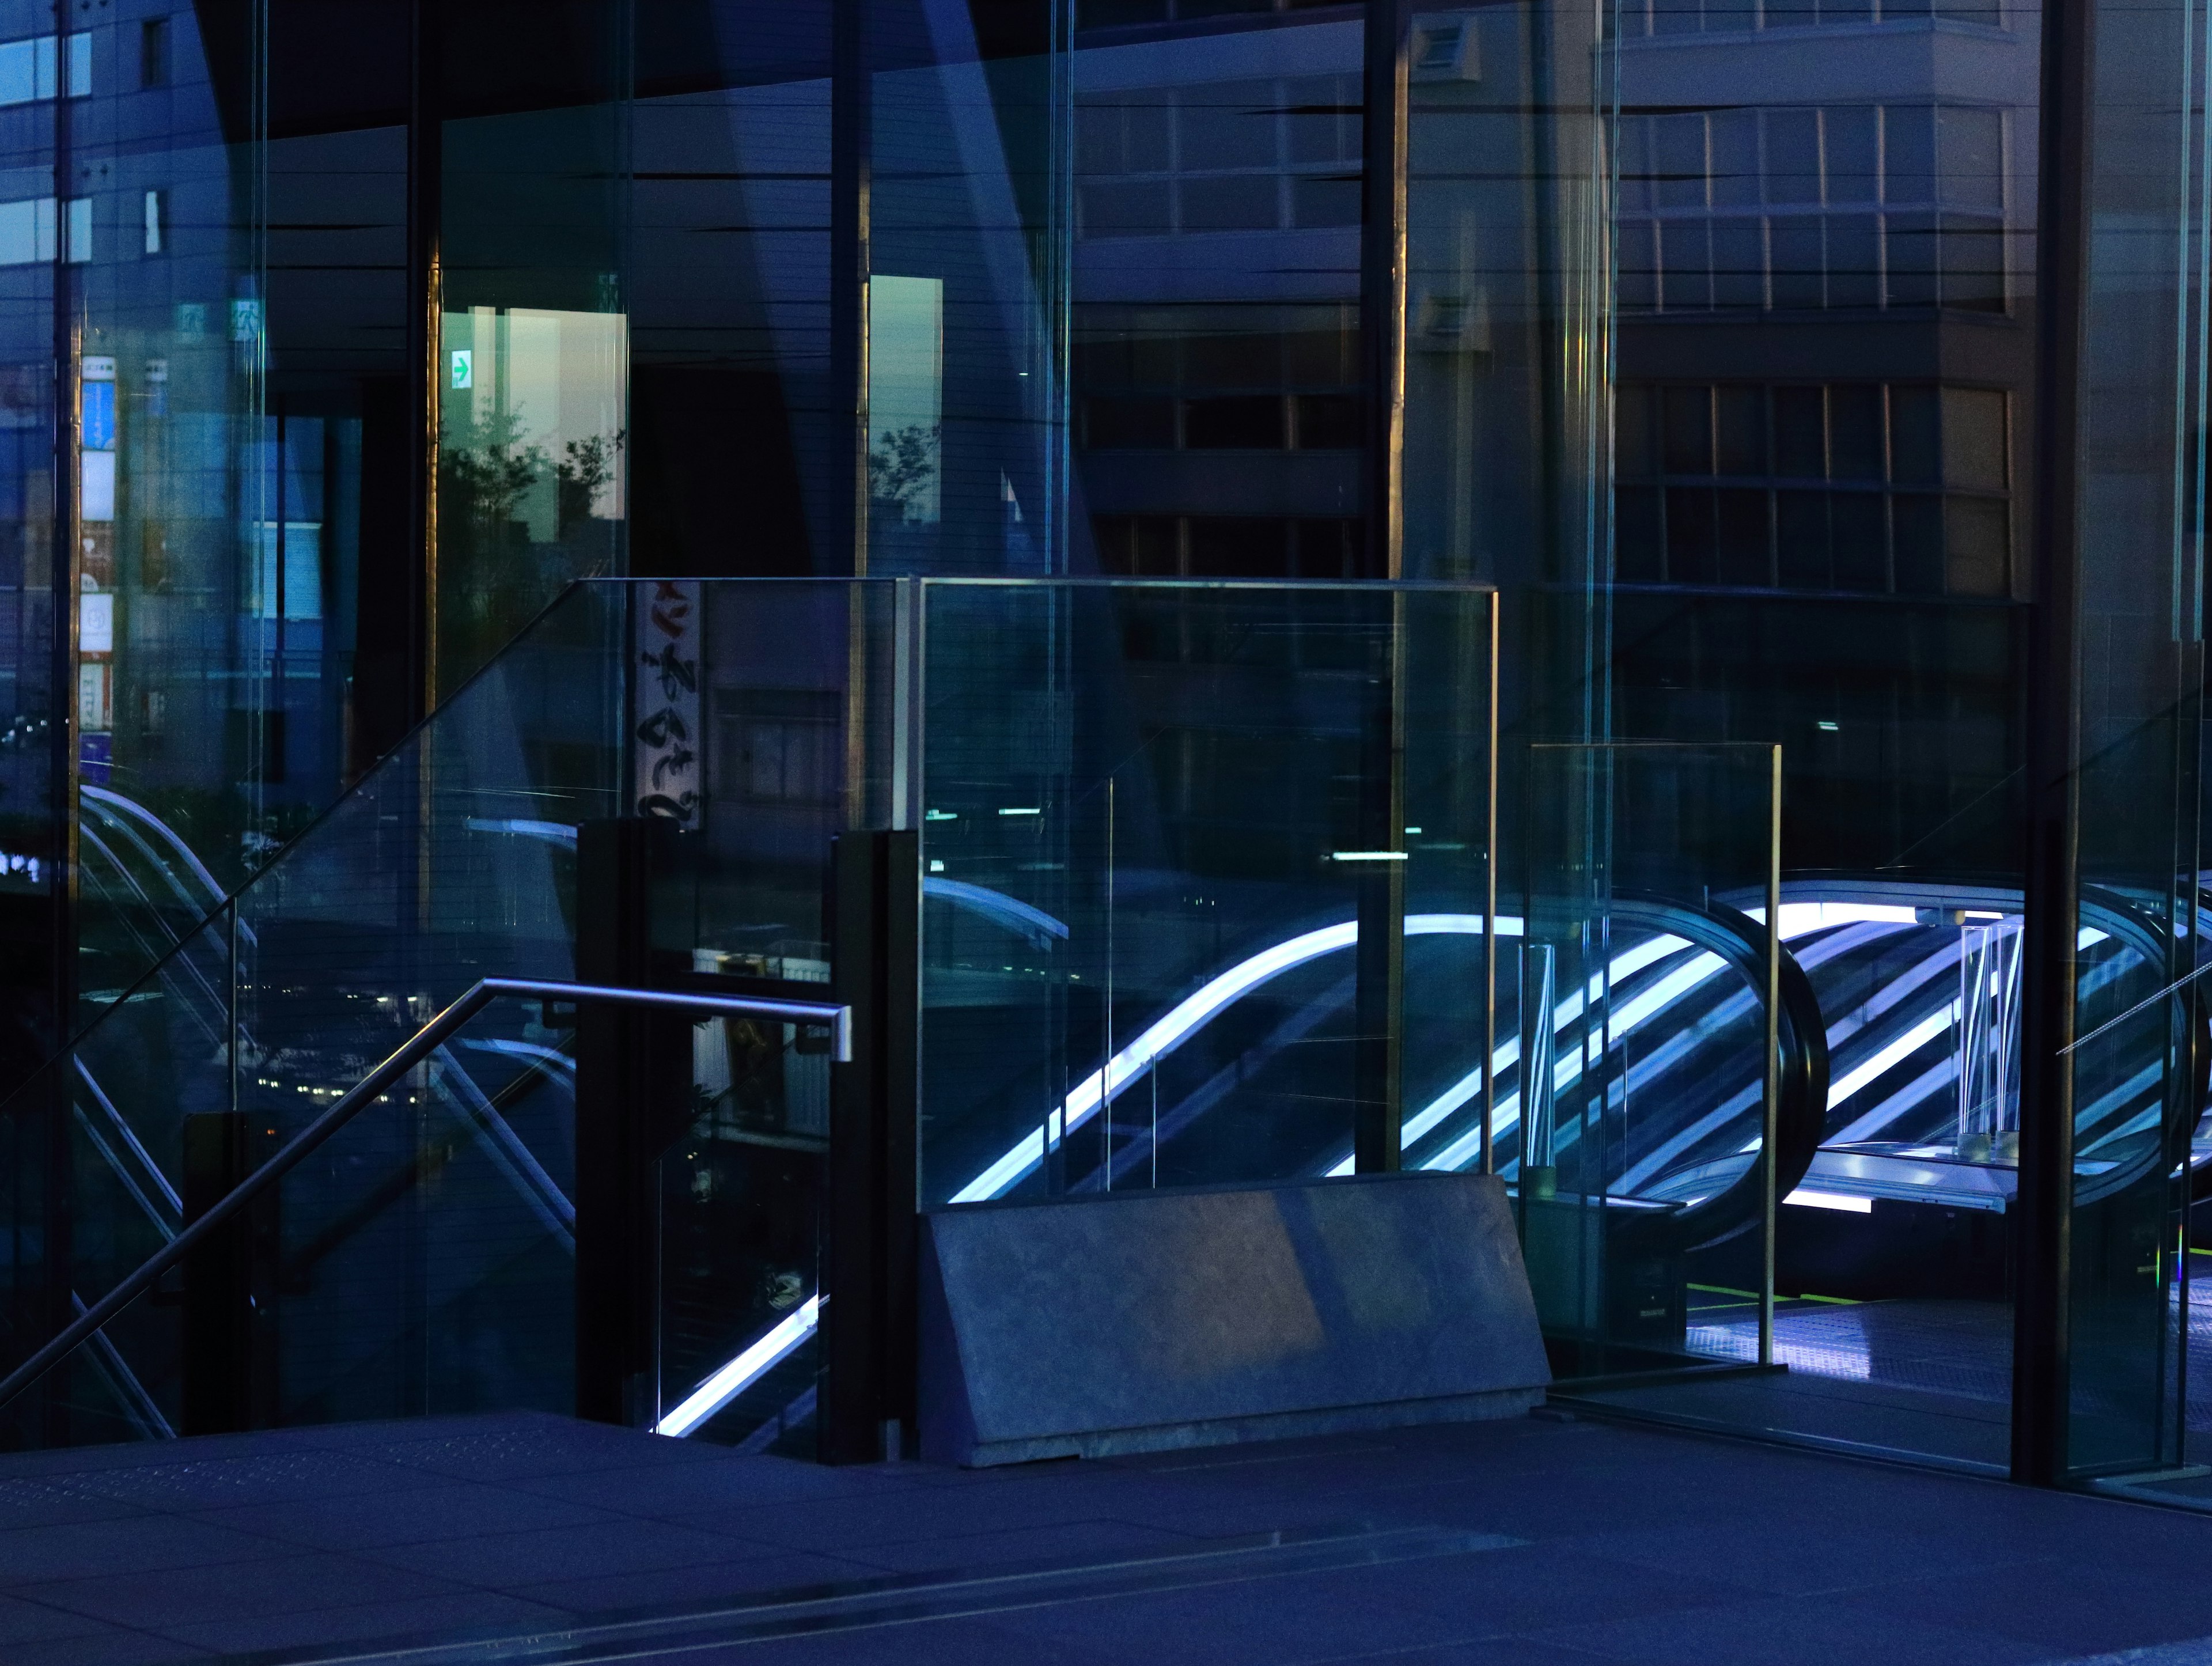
(1532,1543)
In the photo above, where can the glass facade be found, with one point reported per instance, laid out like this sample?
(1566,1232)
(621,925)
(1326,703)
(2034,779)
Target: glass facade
(1742,466)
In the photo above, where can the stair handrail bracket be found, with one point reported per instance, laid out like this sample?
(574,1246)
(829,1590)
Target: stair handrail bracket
(835,1017)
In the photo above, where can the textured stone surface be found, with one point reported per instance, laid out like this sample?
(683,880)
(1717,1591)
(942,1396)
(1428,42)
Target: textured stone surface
(1170,1319)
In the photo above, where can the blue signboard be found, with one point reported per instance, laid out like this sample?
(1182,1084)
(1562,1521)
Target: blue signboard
(99,415)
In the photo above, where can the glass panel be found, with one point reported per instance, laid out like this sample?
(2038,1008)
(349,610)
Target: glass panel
(742,1191)
(1214,320)
(728,208)
(451,861)
(1855,591)
(1639,1093)
(967,218)
(534,348)
(1159,821)
(2138,1082)
(1505,283)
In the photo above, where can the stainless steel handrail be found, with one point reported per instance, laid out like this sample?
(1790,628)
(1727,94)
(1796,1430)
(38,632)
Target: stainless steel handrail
(837,1018)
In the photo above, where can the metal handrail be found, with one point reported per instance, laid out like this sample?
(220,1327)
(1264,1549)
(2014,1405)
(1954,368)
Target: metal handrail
(838,1019)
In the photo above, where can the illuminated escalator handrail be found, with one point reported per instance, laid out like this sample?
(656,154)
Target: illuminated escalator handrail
(1178,1025)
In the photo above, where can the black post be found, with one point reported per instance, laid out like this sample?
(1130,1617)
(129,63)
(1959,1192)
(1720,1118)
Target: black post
(852,103)
(2043,1220)
(1383,281)
(218,1339)
(59,1218)
(868,1324)
(425,375)
(1379,955)
(626,1097)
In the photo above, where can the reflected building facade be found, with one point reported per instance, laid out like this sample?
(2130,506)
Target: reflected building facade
(1720,339)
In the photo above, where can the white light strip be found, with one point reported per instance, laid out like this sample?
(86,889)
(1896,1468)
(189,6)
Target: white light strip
(1898,1050)
(1367,855)
(734,1378)
(1849,1206)
(1165,1034)
(1799,918)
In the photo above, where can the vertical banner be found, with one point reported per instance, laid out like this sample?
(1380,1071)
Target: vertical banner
(669,624)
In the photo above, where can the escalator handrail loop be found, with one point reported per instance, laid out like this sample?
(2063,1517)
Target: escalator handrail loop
(2118,916)
(1802,1036)
(836,1017)
(2186,1093)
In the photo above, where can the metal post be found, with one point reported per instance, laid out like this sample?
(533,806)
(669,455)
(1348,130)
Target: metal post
(2044,1222)
(871,1224)
(62,736)
(851,128)
(217,1353)
(1379,952)
(425,322)
(1489,910)
(1383,281)
(626,1099)
(1770,1112)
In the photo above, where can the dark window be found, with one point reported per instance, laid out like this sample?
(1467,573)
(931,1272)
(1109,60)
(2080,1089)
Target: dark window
(1744,538)
(1126,209)
(1324,200)
(1680,144)
(1971,254)
(1914,450)
(1247,422)
(1226,548)
(1111,13)
(1232,359)
(1636,447)
(1859,542)
(1138,546)
(1120,424)
(1689,430)
(1230,202)
(1801,540)
(1740,431)
(1800,439)
(1917,534)
(1974,439)
(1323,124)
(1685,259)
(779,746)
(1853,151)
(154,52)
(1329,421)
(1855,446)
(1976,546)
(1228,125)
(1793,156)
(1799,261)
(1734,137)
(1909,153)
(1854,260)
(1328,548)
(1690,552)
(1637,557)
(1739,264)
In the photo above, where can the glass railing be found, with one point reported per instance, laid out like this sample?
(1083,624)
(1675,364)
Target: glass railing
(1158,823)
(424,878)
(1207,898)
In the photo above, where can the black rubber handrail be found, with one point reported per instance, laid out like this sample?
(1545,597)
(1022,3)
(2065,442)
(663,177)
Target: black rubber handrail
(836,1017)
(1802,1038)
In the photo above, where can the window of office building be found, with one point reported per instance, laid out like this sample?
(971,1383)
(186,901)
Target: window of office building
(1641,18)
(1901,489)
(1257,156)
(1810,209)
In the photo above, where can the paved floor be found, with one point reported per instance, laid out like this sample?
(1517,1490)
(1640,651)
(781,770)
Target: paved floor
(1530,1542)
